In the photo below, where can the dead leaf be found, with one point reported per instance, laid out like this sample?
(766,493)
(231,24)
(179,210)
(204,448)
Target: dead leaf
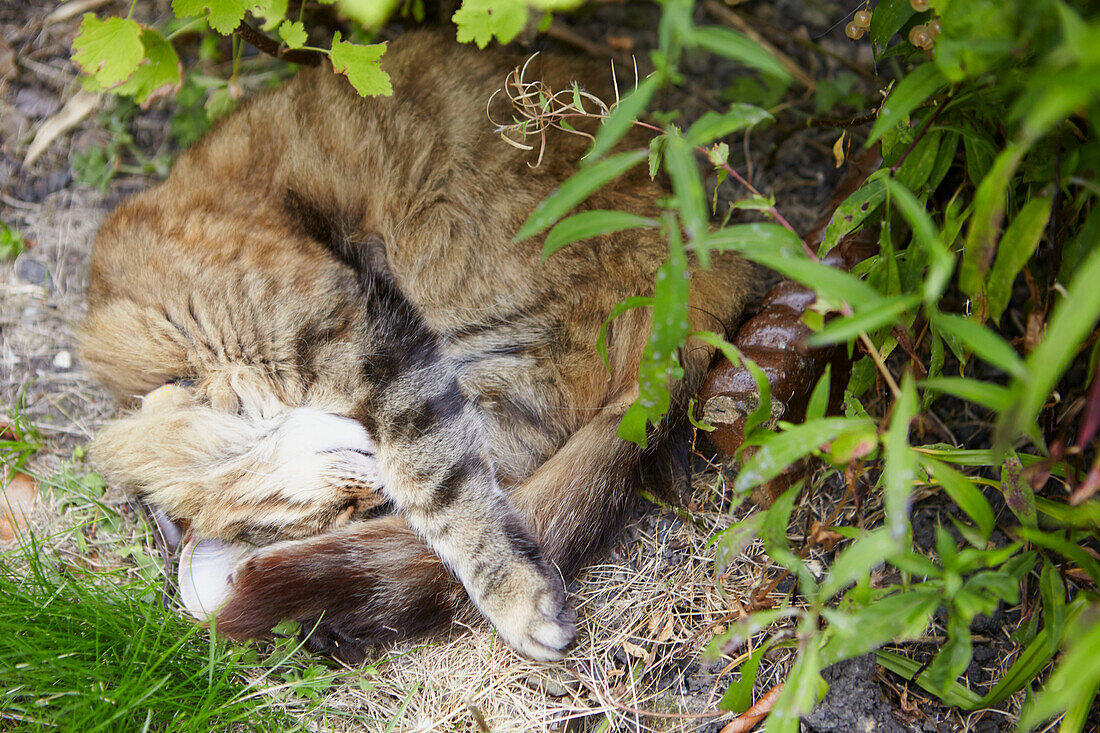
(821,534)
(666,632)
(17,500)
(621,43)
(838,149)
(635,651)
(75,110)
(73,9)
(8,431)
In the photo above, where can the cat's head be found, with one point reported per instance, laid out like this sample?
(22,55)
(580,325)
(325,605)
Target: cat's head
(253,328)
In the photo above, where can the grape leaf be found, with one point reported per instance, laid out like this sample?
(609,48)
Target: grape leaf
(368,13)
(293,33)
(109,50)
(158,75)
(361,65)
(223,15)
(480,20)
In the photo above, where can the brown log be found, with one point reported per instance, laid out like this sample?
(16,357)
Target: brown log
(774,339)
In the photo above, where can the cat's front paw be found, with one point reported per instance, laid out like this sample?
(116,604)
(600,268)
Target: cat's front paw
(531,614)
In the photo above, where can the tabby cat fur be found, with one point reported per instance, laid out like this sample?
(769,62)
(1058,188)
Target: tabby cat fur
(334,281)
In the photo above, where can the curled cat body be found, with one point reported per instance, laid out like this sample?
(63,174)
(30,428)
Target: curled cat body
(333,284)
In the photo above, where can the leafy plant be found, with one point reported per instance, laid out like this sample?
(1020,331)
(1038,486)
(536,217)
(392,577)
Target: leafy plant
(11,242)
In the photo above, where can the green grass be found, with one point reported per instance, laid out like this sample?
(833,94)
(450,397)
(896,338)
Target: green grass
(78,652)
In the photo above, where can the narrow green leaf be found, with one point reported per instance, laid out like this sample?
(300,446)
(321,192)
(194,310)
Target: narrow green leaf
(1075,316)
(855,209)
(1074,682)
(736,46)
(941,262)
(773,246)
(629,109)
(620,308)
(687,184)
(900,468)
(1052,589)
(1071,550)
(909,93)
(738,697)
(955,694)
(993,396)
(783,449)
(1014,250)
(589,224)
(579,187)
(819,398)
(990,347)
(963,492)
(714,125)
(801,692)
(856,560)
(897,617)
(868,320)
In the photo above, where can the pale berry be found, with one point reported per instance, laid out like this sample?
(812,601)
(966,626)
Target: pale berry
(920,37)
(934,27)
(853,31)
(919,5)
(863,19)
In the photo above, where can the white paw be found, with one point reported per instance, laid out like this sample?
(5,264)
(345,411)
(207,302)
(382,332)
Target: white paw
(206,572)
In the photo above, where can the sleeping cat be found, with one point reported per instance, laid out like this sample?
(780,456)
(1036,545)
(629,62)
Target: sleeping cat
(331,284)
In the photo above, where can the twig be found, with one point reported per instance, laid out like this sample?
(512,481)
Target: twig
(305,57)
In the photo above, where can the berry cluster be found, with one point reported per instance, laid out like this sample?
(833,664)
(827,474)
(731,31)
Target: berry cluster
(922,36)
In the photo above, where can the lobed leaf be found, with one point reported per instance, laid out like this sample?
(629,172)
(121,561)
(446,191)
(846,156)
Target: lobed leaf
(362,65)
(223,15)
(481,20)
(108,50)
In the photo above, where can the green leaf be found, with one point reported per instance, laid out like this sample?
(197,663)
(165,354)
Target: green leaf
(158,75)
(867,320)
(1074,318)
(909,93)
(620,308)
(819,398)
(1074,683)
(621,119)
(855,209)
(589,224)
(952,658)
(223,15)
(736,46)
(954,694)
(773,246)
(575,190)
(293,33)
(990,347)
(888,18)
(738,697)
(633,425)
(773,533)
(857,560)
(1053,592)
(897,617)
(993,396)
(963,492)
(687,184)
(368,13)
(1065,547)
(12,242)
(924,232)
(801,692)
(109,50)
(361,65)
(900,461)
(782,449)
(714,125)
(481,20)
(1015,249)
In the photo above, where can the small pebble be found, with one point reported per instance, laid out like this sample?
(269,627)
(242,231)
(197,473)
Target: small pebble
(63,361)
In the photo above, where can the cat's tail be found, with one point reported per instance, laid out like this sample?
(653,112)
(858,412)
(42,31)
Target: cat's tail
(376,581)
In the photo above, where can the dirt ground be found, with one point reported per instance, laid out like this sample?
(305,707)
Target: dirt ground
(647,612)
